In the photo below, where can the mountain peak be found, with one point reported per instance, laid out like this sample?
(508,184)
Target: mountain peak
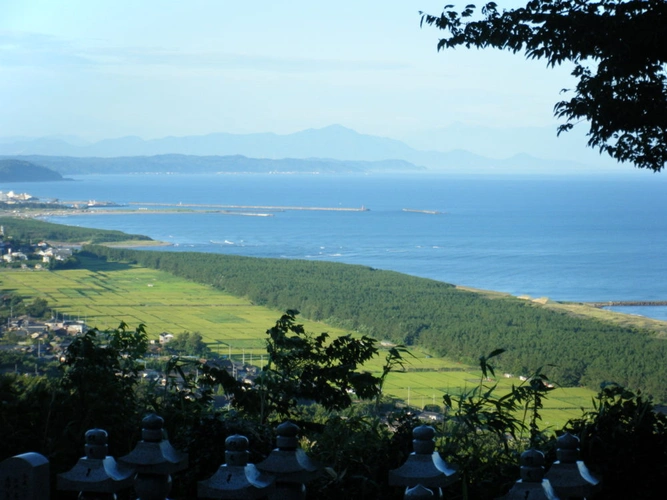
(336,127)
(329,129)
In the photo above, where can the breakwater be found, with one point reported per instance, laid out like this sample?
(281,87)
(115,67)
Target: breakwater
(414,210)
(252,207)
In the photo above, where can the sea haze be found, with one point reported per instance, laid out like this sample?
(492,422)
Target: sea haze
(566,238)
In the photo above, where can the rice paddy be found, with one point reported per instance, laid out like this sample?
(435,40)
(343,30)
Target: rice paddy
(106,293)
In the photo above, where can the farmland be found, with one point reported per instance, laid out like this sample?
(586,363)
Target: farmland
(106,293)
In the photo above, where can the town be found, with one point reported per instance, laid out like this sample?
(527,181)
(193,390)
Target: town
(38,255)
(34,337)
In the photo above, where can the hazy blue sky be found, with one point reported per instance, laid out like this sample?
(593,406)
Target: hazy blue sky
(152,68)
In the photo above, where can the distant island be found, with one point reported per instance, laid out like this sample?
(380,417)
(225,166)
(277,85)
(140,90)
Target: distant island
(191,164)
(12,170)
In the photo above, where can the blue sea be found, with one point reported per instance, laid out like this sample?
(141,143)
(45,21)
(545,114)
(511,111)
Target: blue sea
(578,238)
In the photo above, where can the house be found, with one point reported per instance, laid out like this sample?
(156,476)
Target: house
(74,327)
(165,338)
(13,256)
(55,253)
(36,328)
(54,325)
(62,253)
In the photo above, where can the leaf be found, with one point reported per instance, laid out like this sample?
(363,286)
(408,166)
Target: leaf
(495,353)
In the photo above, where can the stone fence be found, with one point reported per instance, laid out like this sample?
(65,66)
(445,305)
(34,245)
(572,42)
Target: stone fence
(283,475)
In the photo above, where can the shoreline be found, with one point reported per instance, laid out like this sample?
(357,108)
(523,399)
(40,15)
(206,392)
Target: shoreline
(543,301)
(138,211)
(137,244)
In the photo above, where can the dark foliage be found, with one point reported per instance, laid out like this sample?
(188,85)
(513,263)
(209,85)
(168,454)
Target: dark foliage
(188,344)
(482,434)
(624,437)
(307,368)
(100,374)
(619,56)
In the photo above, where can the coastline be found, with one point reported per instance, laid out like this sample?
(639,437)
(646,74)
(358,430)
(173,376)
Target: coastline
(576,308)
(137,243)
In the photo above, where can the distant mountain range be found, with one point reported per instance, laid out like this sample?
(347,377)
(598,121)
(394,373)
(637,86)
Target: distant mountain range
(330,143)
(176,163)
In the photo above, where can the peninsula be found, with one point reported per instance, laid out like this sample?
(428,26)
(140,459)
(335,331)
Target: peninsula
(12,170)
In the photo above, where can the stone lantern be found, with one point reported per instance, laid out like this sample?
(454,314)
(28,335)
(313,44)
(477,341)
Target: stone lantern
(532,485)
(569,476)
(96,476)
(236,478)
(289,464)
(424,466)
(154,459)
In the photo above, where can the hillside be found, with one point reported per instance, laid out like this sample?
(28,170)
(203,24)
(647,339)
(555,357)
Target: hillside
(12,170)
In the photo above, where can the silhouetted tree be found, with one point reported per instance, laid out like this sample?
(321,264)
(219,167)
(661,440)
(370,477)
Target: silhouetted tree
(619,53)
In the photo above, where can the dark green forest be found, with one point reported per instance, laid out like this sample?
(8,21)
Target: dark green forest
(434,315)
(34,230)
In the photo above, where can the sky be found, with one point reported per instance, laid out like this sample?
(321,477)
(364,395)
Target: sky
(154,68)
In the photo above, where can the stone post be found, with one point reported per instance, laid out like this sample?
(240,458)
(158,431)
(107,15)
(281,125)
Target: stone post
(424,466)
(236,478)
(532,485)
(289,464)
(155,460)
(569,476)
(96,476)
(25,477)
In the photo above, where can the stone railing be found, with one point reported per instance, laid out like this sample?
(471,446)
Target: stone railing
(283,475)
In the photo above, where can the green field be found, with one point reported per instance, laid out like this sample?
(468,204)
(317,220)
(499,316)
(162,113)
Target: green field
(106,293)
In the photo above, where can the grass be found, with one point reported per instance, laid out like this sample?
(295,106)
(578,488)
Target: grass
(106,293)
(426,379)
(657,327)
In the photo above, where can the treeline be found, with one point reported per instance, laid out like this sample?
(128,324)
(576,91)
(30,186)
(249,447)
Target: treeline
(434,315)
(12,306)
(35,230)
